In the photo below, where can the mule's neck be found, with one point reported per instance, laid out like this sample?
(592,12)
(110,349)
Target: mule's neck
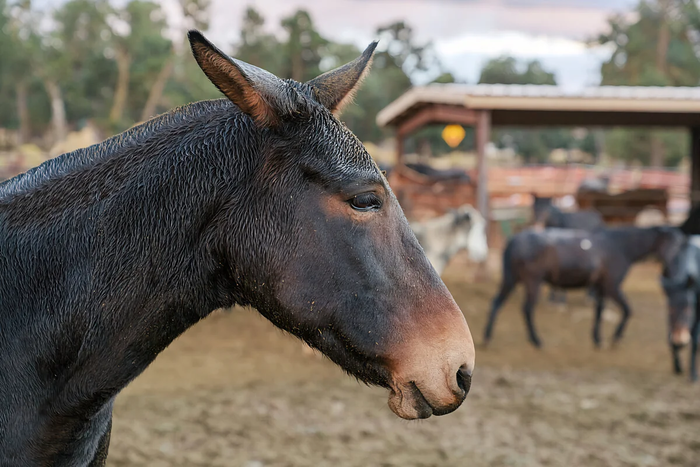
(638,243)
(120,256)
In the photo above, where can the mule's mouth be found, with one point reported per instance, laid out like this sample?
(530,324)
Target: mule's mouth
(408,402)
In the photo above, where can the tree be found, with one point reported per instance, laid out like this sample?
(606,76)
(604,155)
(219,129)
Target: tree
(16,44)
(532,145)
(399,46)
(304,47)
(73,64)
(140,51)
(196,14)
(654,50)
(504,70)
(657,49)
(257,47)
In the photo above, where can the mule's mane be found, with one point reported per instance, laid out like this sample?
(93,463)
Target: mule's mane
(81,158)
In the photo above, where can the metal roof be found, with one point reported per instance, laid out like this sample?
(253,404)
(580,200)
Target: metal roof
(527,99)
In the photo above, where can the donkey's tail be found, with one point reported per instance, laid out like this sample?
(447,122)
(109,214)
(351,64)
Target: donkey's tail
(507,271)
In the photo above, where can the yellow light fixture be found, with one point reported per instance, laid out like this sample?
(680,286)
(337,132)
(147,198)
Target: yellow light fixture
(453,135)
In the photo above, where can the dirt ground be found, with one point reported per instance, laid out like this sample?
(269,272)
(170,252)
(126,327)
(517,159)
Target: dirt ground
(234,391)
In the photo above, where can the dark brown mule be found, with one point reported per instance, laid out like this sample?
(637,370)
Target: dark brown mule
(547,215)
(681,283)
(568,258)
(108,253)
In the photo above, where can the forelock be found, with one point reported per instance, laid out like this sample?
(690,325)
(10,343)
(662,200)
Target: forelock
(338,148)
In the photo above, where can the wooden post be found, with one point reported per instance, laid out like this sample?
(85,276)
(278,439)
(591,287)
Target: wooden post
(399,147)
(694,167)
(483,135)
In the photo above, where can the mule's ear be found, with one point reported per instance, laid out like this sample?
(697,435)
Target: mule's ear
(336,88)
(256,92)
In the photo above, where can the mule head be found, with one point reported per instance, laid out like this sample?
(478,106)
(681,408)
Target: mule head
(678,280)
(315,239)
(541,207)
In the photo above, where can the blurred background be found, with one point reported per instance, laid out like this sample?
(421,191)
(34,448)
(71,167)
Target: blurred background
(234,391)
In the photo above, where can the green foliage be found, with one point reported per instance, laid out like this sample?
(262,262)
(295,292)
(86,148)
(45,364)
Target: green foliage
(112,62)
(504,70)
(304,47)
(91,44)
(638,60)
(533,145)
(633,145)
(658,48)
(257,47)
(304,53)
(149,51)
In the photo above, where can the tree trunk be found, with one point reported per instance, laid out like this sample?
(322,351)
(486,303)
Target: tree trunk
(122,90)
(664,38)
(156,93)
(23,113)
(297,67)
(599,141)
(658,151)
(58,109)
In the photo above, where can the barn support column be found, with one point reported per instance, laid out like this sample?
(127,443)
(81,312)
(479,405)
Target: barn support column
(483,135)
(400,138)
(694,166)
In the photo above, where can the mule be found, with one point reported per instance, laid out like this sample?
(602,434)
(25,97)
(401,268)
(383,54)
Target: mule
(263,199)
(568,258)
(681,284)
(444,236)
(547,215)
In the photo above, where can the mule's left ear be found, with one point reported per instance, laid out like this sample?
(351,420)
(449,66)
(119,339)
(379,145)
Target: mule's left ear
(258,93)
(335,89)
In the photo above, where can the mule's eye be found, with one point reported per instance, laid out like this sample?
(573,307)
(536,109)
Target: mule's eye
(366,202)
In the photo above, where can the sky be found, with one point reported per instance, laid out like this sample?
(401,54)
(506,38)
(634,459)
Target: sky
(466,33)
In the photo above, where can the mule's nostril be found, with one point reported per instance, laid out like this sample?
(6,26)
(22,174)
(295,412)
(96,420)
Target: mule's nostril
(464,379)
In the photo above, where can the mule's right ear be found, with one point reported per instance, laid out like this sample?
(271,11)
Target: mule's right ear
(255,91)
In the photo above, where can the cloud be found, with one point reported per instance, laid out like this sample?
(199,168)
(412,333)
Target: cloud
(514,43)
(466,33)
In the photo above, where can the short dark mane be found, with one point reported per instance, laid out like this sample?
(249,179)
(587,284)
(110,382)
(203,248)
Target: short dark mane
(134,136)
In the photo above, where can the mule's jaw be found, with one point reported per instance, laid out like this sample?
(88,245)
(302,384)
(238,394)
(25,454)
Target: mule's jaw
(406,405)
(409,403)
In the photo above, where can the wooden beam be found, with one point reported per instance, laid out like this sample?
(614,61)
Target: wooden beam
(437,114)
(483,135)
(694,166)
(542,118)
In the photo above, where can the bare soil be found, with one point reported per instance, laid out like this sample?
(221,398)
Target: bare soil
(234,391)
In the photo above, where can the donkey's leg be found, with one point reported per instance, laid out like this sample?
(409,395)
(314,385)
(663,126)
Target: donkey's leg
(532,287)
(675,351)
(599,305)
(694,331)
(507,287)
(620,299)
